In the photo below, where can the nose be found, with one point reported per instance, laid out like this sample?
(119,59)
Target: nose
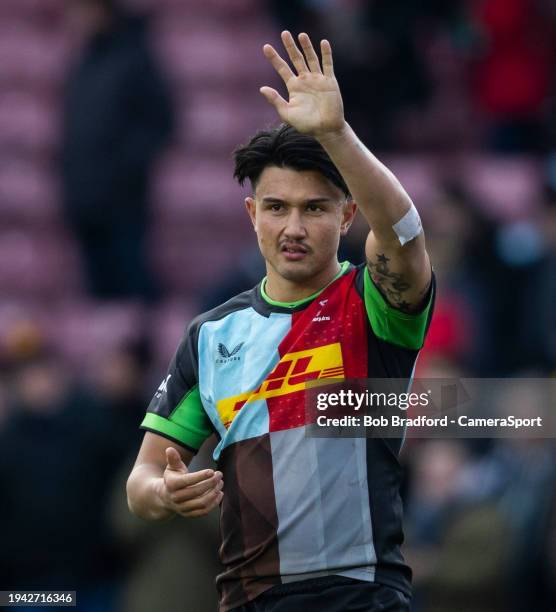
(294,229)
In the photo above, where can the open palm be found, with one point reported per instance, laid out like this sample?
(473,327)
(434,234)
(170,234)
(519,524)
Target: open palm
(315,103)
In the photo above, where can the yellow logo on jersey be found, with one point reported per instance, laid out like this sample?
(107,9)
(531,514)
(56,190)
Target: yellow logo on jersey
(290,375)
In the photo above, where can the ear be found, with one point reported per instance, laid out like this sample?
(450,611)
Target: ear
(348,215)
(251,208)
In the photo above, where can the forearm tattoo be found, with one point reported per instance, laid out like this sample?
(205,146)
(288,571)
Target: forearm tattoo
(392,285)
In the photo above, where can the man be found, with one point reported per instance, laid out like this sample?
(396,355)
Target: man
(51,419)
(307,523)
(117,120)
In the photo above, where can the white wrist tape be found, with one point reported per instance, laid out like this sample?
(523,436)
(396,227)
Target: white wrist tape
(409,226)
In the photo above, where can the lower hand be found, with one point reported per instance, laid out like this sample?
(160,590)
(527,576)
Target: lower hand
(189,494)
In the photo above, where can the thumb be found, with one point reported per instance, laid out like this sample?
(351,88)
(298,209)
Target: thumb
(274,98)
(174,461)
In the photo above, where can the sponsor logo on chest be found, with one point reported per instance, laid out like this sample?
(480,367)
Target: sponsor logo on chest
(290,374)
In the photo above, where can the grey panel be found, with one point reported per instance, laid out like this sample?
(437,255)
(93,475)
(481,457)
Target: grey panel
(322,502)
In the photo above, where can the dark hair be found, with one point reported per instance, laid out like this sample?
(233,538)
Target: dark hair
(284,147)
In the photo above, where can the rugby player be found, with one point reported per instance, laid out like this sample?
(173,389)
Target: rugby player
(307,523)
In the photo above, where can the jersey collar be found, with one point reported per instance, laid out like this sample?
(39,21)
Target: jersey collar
(266,305)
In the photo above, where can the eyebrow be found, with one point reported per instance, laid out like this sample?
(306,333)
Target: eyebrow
(271,200)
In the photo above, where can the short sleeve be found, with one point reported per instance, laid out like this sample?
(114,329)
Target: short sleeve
(392,325)
(176,411)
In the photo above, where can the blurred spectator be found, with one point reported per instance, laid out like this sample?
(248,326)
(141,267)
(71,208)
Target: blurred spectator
(57,461)
(526,253)
(539,327)
(456,540)
(375,56)
(523,488)
(547,552)
(459,239)
(122,384)
(3,404)
(117,118)
(512,78)
(244,276)
(174,561)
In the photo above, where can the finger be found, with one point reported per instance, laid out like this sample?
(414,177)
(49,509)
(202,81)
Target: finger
(189,493)
(309,51)
(279,64)
(198,513)
(174,461)
(184,496)
(326,54)
(180,489)
(274,98)
(294,53)
(180,481)
(205,502)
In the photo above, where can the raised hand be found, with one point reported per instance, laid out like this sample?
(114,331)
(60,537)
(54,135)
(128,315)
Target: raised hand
(189,494)
(315,104)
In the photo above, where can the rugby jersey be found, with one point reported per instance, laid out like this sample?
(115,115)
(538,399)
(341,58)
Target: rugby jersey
(294,506)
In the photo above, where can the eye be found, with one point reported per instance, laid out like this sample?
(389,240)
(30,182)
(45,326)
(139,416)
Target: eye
(314,208)
(276,208)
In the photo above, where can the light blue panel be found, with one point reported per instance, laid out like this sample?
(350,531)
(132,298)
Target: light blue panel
(251,421)
(322,501)
(220,378)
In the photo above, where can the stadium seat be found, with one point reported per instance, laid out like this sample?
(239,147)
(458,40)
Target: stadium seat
(418,175)
(507,187)
(29,194)
(212,53)
(37,265)
(87,330)
(31,9)
(32,57)
(168,323)
(186,184)
(209,125)
(28,123)
(215,245)
(218,8)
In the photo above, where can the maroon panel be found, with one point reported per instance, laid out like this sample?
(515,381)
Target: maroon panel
(249,523)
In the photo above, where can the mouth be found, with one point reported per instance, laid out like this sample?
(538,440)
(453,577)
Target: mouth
(294,251)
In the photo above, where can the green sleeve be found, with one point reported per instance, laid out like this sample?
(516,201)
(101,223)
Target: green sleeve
(188,423)
(394,326)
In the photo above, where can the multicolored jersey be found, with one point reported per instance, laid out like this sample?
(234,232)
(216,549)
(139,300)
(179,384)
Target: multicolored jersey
(294,506)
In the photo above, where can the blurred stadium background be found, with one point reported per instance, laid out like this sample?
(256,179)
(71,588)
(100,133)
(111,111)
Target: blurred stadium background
(458,98)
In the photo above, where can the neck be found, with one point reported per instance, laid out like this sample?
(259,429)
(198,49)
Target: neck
(284,290)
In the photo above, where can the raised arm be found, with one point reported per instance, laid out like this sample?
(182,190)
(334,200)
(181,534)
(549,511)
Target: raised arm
(395,249)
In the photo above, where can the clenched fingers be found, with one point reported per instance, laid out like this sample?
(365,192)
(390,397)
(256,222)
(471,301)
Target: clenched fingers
(197,491)
(178,480)
(200,506)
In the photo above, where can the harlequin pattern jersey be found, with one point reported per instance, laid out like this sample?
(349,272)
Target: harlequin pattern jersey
(294,506)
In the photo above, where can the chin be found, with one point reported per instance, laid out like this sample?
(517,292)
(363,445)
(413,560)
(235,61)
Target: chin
(296,272)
